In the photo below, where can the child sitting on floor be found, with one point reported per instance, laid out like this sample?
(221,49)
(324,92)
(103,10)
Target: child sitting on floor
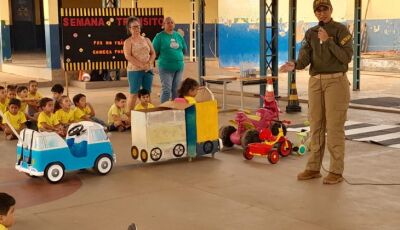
(15,117)
(3,99)
(11,93)
(58,91)
(22,95)
(34,96)
(47,121)
(188,90)
(65,115)
(144,97)
(3,103)
(84,111)
(7,209)
(118,117)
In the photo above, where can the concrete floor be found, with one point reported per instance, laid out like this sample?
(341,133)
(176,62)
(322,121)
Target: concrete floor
(225,192)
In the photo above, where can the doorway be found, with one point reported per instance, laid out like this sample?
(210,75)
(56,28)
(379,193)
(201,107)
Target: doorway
(27,30)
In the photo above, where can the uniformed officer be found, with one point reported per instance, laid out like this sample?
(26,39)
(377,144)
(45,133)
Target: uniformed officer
(328,48)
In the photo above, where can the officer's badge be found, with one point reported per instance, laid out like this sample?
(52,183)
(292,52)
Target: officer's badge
(345,40)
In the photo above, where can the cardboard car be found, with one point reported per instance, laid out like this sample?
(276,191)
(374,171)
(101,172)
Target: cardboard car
(176,129)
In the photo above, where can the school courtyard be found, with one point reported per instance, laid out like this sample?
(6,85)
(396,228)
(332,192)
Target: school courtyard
(225,192)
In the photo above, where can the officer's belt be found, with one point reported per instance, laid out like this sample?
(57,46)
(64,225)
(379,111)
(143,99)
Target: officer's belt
(328,76)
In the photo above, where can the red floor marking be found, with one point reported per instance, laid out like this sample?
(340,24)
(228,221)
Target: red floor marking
(33,191)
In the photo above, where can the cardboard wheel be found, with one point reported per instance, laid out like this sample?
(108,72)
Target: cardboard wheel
(208,147)
(143,155)
(155,154)
(178,150)
(134,152)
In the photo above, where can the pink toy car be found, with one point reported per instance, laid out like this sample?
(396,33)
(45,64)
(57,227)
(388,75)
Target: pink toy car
(248,127)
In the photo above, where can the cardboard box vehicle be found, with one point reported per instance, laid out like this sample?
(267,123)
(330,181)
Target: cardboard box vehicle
(175,129)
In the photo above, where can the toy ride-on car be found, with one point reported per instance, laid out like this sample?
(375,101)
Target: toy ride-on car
(274,143)
(246,127)
(48,154)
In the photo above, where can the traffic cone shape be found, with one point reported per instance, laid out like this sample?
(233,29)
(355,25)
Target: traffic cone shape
(269,95)
(293,102)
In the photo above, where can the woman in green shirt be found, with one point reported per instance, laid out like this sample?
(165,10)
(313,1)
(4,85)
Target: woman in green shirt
(169,46)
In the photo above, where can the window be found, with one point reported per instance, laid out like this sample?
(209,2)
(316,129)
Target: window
(54,141)
(97,135)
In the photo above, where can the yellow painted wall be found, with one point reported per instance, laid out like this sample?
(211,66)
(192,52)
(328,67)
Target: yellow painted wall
(179,10)
(378,9)
(342,10)
(37,12)
(50,11)
(249,9)
(5,11)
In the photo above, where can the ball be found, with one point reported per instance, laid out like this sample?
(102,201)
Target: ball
(85,77)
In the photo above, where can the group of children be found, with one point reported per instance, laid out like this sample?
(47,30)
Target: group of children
(119,116)
(19,105)
(25,107)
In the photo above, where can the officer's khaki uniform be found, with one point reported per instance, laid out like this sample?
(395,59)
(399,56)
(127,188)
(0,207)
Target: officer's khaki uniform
(328,92)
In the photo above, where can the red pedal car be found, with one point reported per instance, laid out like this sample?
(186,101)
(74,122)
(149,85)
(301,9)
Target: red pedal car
(274,143)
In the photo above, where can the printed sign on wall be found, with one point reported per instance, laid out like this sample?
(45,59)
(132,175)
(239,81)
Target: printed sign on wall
(93,38)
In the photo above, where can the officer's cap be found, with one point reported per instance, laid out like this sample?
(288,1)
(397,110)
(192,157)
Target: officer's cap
(318,3)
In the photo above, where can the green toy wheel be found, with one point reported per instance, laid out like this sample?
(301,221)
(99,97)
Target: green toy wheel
(302,150)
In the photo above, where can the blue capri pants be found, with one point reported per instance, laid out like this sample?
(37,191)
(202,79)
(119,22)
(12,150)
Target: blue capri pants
(140,80)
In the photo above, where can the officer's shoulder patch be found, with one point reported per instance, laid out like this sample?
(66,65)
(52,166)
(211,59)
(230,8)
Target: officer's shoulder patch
(345,40)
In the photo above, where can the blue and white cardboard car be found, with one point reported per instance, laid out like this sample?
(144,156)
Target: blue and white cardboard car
(48,154)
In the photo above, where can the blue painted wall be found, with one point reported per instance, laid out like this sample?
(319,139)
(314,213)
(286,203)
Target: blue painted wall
(210,37)
(240,42)
(52,46)
(383,34)
(5,36)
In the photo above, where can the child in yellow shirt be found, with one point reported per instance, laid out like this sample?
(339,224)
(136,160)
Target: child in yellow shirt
(3,103)
(84,111)
(144,98)
(3,99)
(7,208)
(22,95)
(118,117)
(58,91)
(65,115)
(188,90)
(34,96)
(15,118)
(47,121)
(11,93)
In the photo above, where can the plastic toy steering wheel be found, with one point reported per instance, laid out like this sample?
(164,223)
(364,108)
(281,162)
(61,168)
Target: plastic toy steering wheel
(76,130)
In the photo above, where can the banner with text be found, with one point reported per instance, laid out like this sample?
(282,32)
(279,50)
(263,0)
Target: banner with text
(93,38)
